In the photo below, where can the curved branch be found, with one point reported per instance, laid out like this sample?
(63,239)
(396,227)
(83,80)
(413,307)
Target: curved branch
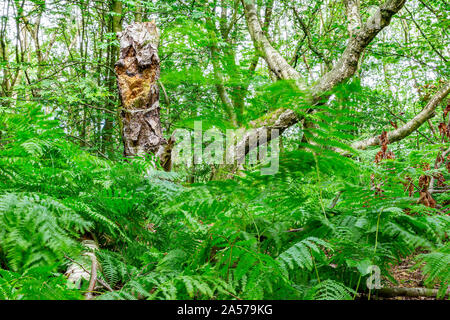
(347,64)
(410,126)
(93,278)
(277,64)
(343,70)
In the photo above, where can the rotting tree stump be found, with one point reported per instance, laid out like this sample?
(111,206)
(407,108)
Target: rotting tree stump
(138,70)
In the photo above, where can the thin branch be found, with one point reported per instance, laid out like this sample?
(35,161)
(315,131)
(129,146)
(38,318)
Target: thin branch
(93,279)
(412,125)
(426,38)
(103,283)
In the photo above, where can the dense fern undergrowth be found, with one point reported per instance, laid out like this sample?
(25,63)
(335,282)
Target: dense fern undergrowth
(309,232)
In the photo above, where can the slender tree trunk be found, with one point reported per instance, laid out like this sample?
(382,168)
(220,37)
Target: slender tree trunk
(116,26)
(413,124)
(138,13)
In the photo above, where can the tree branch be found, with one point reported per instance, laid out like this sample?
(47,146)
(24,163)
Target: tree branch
(103,283)
(343,70)
(277,64)
(410,126)
(347,64)
(408,292)
(353,16)
(307,33)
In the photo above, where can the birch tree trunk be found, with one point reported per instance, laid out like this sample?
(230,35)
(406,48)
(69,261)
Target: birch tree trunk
(137,71)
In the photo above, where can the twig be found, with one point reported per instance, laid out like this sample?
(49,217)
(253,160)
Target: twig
(93,279)
(426,38)
(335,200)
(296,230)
(103,283)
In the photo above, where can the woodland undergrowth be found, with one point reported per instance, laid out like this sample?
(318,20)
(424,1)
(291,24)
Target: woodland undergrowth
(309,232)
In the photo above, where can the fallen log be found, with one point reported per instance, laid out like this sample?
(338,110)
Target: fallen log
(408,292)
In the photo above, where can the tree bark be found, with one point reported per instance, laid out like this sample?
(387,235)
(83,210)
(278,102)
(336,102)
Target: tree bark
(344,68)
(115,26)
(410,126)
(353,16)
(137,71)
(347,65)
(408,292)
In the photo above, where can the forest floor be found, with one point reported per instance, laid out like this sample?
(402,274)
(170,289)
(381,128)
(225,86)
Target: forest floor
(407,277)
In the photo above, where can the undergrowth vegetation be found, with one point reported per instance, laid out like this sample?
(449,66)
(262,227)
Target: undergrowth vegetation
(309,232)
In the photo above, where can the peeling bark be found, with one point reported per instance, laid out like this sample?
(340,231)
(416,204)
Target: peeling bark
(137,71)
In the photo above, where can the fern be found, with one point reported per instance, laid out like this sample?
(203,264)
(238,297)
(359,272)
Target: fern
(251,237)
(36,283)
(303,253)
(436,268)
(330,290)
(54,226)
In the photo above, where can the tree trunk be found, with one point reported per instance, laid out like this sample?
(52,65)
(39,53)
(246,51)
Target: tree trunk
(344,68)
(115,26)
(137,73)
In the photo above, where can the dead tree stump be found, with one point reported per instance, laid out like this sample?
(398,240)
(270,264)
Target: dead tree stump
(138,70)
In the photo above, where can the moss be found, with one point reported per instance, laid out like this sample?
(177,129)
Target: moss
(268,118)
